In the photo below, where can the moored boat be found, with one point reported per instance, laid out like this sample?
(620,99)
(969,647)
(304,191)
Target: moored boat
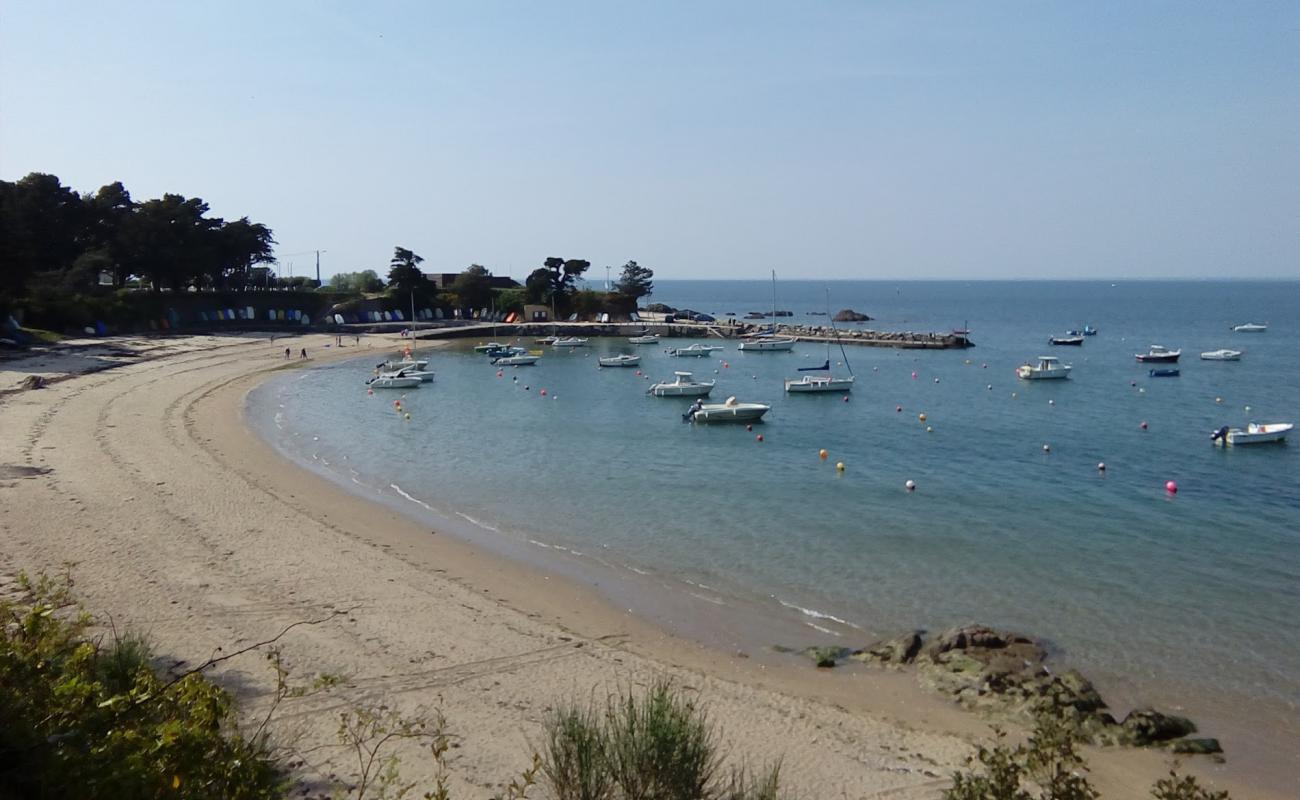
(1254,433)
(569,341)
(695,350)
(730,411)
(1075,340)
(1166,372)
(649,338)
(424,375)
(1047,368)
(515,360)
(819,383)
(619,361)
(1250,327)
(405,363)
(1159,353)
(392,381)
(483,348)
(684,385)
(768,343)
(1221,355)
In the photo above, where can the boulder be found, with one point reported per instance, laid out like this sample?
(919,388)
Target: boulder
(826,657)
(1145,726)
(849,315)
(1199,747)
(898,650)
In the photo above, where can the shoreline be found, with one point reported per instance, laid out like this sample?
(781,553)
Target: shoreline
(333,542)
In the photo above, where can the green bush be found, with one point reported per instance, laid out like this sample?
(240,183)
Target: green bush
(84,720)
(659,746)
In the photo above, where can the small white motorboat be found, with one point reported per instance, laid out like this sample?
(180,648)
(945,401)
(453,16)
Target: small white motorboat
(515,360)
(685,385)
(1159,354)
(405,363)
(424,375)
(483,348)
(1048,368)
(392,381)
(1221,355)
(1253,434)
(545,339)
(1250,327)
(695,350)
(619,361)
(569,341)
(649,338)
(765,344)
(819,383)
(730,411)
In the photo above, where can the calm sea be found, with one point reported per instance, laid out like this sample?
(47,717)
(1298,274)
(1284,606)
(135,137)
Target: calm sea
(1188,600)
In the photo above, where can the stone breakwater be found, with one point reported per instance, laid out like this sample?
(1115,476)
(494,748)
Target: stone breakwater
(869,338)
(1004,674)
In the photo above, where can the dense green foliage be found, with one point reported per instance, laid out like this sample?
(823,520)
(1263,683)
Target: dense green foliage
(54,239)
(658,746)
(364,282)
(635,281)
(85,719)
(473,287)
(1049,767)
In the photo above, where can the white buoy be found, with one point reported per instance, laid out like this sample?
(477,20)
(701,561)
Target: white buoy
(1047,448)
(910,485)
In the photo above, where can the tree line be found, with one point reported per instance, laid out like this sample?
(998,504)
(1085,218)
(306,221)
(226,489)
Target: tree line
(52,237)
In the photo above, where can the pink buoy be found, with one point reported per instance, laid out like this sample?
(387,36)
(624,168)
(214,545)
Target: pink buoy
(542,393)
(899,409)
(725,365)
(846,398)
(913,376)
(759,437)
(370,392)
(1171,487)
(500,374)
(1143,425)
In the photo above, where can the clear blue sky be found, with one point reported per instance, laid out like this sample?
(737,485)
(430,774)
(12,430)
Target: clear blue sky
(703,139)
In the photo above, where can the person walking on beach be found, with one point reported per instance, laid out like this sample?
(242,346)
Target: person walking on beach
(304,354)
(286,354)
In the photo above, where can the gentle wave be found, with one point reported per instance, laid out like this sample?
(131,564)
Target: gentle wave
(415,500)
(817,627)
(815,614)
(477,522)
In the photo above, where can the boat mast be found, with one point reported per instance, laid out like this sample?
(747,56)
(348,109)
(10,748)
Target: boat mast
(836,331)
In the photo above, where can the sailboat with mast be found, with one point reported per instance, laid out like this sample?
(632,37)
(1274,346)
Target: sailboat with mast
(769,340)
(827,382)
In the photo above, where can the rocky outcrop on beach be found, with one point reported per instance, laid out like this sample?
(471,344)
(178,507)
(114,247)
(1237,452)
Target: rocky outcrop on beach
(1005,674)
(849,315)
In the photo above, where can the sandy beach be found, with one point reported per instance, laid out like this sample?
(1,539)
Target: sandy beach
(178,521)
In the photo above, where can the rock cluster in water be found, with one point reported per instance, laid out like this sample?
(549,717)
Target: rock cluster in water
(1001,673)
(849,315)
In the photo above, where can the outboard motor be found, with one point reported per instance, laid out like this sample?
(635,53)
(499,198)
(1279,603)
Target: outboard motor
(1221,435)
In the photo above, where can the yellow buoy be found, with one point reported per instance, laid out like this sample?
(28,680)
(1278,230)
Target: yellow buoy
(839,466)
(921,417)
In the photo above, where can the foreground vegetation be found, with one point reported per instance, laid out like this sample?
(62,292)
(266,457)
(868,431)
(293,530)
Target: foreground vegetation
(89,716)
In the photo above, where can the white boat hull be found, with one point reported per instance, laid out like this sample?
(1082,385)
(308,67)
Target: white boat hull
(418,363)
(1259,434)
(574,342)
(424,376)
(619,361)
(767,345)
(515,361)
(682,389)
(1250,327)
(729,412)
(694,351)
(644,339)
(385,382)
(1221,355)
(819,384)
(1034,374)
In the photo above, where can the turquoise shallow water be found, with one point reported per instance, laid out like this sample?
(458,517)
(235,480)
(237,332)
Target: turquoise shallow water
(1188,600)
